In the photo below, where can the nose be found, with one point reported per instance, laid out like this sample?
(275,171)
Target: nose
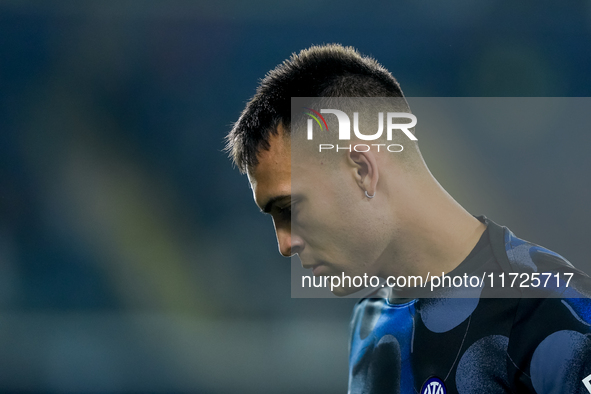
(289,244)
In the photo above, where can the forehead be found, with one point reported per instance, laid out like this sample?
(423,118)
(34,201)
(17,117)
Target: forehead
(272,175)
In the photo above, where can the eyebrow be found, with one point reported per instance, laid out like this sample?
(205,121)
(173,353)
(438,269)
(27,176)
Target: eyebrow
(269,205)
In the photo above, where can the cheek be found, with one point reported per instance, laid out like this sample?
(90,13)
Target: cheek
(340,224)
(330,207)
(333,216)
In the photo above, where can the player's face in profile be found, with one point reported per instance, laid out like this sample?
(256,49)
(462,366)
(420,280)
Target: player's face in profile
(318,213)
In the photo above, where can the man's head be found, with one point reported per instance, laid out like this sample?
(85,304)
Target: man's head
(322,206)
(320,71)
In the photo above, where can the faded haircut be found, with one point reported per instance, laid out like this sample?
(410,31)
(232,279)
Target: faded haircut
(320,71)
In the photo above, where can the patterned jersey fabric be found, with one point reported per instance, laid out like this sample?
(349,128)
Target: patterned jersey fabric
(526,342)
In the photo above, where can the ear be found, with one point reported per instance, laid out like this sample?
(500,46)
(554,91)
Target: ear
(365,167)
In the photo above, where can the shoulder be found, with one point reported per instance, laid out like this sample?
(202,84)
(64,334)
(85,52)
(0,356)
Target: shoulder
(518,255)
(550,341)
(525,255)
(560,297)
(545,272)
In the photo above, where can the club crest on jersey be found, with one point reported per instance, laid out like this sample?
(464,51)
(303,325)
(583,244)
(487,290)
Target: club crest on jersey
(434,385)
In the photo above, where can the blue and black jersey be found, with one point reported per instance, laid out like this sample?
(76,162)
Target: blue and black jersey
(533,340)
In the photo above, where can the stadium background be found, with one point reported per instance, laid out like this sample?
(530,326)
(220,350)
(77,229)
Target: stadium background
(132,258)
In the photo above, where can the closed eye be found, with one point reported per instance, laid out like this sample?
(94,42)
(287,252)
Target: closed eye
(284,212)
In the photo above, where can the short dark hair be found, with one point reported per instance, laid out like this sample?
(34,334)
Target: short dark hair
(320,71)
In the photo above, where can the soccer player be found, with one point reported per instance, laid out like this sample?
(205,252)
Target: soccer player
(369,211)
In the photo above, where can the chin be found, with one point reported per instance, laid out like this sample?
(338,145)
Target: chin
(345,291)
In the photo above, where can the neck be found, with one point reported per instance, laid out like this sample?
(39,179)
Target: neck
(433,233)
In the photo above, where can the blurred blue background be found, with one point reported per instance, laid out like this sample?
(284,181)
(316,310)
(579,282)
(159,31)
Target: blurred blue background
(132,258)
